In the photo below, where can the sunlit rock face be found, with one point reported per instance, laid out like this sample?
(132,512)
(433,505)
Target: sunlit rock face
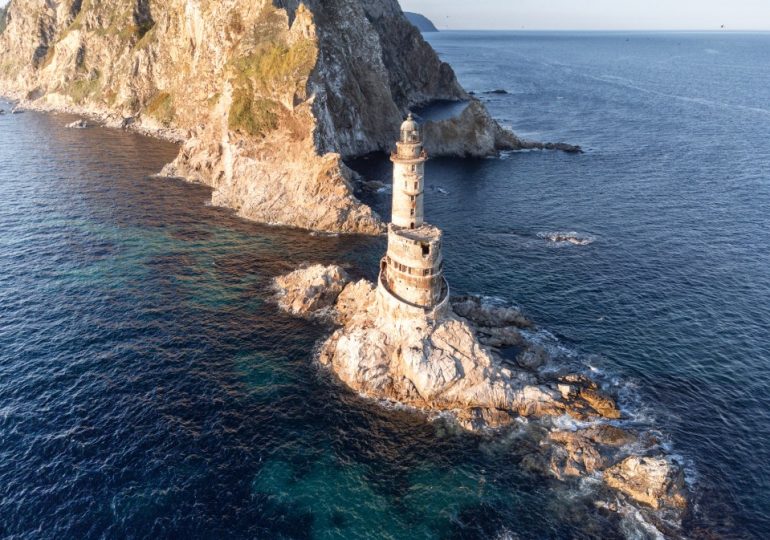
(267,97)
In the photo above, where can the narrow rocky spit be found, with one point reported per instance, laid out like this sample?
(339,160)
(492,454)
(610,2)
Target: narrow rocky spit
(454,367)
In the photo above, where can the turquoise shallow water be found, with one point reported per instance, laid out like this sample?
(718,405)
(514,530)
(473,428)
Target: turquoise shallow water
(149,389)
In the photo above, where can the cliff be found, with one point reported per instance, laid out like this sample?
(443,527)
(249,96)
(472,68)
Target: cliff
(267,96)
(423,23)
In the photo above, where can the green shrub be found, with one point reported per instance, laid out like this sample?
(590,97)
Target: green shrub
(3,21)
(161,107)
(83,89)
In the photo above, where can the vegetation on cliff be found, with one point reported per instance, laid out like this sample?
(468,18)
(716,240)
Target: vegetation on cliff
(3,13)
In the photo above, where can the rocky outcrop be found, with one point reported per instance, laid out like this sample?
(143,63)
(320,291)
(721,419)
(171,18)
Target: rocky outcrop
(655,481)
(452,365)
(267,96)
(311,290)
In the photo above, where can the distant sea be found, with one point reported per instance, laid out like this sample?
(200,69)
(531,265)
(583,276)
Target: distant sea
(149,389)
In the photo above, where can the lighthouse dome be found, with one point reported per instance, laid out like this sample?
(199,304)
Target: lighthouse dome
(410,130)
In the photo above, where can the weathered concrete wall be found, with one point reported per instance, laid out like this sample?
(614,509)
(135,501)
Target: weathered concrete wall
(413,267)
(393,308)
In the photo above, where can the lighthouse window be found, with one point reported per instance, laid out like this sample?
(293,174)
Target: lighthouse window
(425,250)
(415,185)
(412,211)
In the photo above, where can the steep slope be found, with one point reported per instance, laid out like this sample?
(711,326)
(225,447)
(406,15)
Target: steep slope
(267,96)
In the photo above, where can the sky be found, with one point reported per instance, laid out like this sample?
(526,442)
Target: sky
(592,14)
(595,14)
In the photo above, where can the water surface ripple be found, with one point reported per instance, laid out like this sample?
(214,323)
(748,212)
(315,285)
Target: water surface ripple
(148,389)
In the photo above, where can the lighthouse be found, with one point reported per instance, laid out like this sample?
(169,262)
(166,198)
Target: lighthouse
(412,272)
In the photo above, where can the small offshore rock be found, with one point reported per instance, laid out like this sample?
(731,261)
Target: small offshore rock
(657,482)
(560,146)
(78,124)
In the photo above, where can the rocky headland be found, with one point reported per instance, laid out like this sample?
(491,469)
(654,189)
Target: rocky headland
(266,97)
(453,366)
(423,23)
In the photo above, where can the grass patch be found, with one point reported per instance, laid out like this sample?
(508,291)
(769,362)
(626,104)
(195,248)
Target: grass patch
(3,18)
(82,90)
(161,107)
(256,117)
(276,65)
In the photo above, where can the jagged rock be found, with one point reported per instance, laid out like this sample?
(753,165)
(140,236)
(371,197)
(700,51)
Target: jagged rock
(480,419)
(585,451)
(602,404)
(310,290)
(267,96)
(655,481)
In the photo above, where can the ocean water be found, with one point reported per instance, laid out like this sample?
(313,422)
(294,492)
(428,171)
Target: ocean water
(149,389)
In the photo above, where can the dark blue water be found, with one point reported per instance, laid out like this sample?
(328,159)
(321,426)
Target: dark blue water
(149,390)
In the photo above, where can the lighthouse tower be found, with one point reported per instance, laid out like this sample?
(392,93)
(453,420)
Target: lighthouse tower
(412,272)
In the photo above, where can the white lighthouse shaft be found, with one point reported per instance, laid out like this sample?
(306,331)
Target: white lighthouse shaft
(409,178)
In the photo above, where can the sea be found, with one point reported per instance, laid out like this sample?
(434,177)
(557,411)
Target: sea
(149,388)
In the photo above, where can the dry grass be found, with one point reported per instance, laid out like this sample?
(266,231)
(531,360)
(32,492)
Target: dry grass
(161,107)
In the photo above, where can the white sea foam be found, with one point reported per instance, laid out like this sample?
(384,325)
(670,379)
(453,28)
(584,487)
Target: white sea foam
(566,238)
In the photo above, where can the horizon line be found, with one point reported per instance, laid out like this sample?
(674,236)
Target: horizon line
(714,30)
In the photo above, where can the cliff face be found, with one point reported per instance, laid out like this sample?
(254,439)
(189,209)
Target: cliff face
(267,96)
